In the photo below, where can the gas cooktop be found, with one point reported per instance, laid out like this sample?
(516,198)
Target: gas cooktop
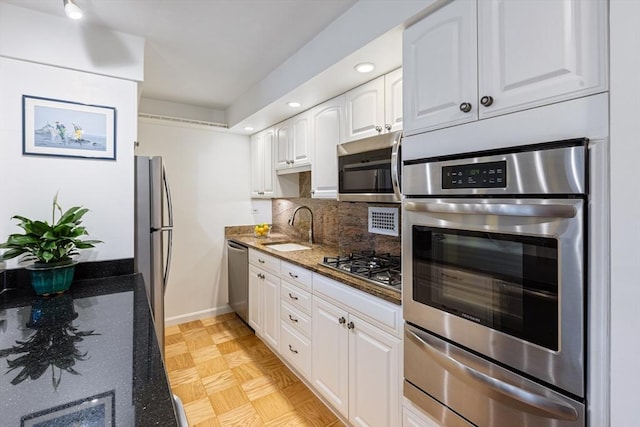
(380,269)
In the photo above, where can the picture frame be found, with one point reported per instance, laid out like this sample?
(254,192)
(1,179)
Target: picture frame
(55,127)
(97,410)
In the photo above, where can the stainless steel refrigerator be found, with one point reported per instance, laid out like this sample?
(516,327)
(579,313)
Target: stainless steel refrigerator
(153,234)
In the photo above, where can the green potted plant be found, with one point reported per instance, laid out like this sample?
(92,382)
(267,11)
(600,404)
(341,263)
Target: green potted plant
(50,246)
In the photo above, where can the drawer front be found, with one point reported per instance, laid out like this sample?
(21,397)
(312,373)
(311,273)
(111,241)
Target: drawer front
(381,313)
(296,349)
(296,275)
(295,296)
(295,319)
(264,261)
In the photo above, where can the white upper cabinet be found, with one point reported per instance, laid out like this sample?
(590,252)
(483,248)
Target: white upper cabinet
(473,60)
(262,172)
(375,107)
(265,184)
(440,68)
(393,100)
(365,110)
(536,52)
(293,144)
(327,124)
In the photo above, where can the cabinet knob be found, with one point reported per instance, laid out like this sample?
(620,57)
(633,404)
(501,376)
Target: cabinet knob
(293,297)
(465,107)
(292,350)
(342,320)
(261,276)
(388,127)
(350,325)
(293,319)
(379,129)
(313,191)
(486,100)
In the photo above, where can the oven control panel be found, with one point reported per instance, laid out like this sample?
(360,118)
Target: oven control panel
(475,175)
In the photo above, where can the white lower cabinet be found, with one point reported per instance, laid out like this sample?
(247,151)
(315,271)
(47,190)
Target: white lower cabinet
(264,297)
(356,366)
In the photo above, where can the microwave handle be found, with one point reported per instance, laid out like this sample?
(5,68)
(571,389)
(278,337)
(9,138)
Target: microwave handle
(499,209)
(494,388)
(395,165)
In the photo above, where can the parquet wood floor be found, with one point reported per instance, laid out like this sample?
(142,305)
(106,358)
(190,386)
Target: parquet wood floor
(226,376)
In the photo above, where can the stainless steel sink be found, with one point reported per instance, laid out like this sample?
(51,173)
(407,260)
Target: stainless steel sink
(287,247)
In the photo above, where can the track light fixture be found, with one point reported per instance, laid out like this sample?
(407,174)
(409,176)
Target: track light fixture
(71,9)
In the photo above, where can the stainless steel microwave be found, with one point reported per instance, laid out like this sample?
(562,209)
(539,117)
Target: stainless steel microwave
(369,169)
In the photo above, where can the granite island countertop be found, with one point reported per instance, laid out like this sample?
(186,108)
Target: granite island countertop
(88,356)
(311,259)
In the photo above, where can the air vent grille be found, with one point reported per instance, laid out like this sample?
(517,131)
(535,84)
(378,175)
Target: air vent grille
(181,120)
(383,221)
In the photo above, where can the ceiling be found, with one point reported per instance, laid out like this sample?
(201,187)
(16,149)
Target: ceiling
(207,53)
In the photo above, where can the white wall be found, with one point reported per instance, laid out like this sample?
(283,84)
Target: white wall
(209,174)
(625,212)
(53,40)
(29,183)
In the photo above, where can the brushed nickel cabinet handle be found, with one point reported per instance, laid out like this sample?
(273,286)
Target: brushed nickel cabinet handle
(350,325)
(293,319)
(293,297)
(342,320)
(295,276)
(292,350)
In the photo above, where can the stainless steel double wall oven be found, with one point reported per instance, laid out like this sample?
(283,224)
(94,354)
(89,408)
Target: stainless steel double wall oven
(495,281)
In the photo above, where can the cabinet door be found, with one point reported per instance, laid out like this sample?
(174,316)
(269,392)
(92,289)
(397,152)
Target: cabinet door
(439,66)
(374,376)
(257,166)
(393,101)
(330,361)
(535,52)
(271,309)
(255,299)
(365,110)
(414,419)
(268,171)
(283,135)
(301,140)
(327,132)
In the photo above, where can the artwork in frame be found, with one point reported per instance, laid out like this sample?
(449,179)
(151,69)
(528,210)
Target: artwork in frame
(93,411)
(53,127)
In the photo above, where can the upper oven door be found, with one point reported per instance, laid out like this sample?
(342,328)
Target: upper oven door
(502,277)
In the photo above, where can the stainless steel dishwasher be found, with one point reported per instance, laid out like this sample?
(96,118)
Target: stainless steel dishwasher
(238,263)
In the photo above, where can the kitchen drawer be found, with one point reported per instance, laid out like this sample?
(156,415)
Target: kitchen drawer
(295,319)
(386,315)
(296,275)
(295,296)
(296,350)
(263,261)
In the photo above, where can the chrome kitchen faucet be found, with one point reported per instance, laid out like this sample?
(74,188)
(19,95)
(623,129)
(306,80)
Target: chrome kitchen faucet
(293,218)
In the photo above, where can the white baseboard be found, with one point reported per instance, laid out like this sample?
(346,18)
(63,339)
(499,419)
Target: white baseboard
(197,315)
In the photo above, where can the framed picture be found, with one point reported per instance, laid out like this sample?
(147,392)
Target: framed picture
(98,410)
(53,127)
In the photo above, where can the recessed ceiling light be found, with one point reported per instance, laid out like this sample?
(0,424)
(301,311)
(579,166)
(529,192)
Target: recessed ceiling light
(293,104)
(248,128)
(72,10)
(365,67)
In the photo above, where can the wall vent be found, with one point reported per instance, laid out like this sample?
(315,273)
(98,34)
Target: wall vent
(181,120)
(383,221)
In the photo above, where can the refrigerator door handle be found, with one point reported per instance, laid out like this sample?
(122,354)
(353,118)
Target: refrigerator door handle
(167,191)
(167,265)
(168,228)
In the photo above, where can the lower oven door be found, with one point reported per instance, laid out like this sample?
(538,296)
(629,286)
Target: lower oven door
(453,385)
(502,277)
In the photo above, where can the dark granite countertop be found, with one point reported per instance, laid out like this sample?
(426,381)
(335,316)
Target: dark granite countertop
(86,357)
(311,259)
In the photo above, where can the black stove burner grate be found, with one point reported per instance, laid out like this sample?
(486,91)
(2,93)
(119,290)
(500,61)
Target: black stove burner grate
(382,269)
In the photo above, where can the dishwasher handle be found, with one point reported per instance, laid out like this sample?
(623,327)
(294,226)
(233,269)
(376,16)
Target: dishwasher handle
(235,246)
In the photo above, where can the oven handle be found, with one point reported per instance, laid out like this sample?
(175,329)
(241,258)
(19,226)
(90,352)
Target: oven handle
(395,162)
(500,209)
(492,387)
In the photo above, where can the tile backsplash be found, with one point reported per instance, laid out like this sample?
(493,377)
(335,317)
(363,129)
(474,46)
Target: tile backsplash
(340,224)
